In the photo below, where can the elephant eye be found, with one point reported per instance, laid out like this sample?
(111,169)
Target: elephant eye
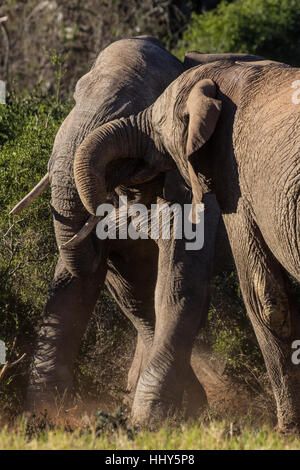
(184,118)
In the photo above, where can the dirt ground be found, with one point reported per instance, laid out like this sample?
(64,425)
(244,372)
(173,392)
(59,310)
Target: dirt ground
(232,398)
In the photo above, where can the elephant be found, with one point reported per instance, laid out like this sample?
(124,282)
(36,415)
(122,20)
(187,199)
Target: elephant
(150,279)
(161,369)
(231,126)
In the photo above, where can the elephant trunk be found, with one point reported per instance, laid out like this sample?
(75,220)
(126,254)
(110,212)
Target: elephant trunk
(69,216)
(81,260)
(108,143)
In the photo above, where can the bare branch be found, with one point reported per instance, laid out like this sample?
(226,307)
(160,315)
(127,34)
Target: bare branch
(8,366)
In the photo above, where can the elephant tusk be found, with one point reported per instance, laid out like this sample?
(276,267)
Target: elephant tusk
(82,234)
(34,193)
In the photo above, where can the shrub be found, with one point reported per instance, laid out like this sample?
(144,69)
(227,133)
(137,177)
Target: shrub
(229,334)
(27,247)
(269,28)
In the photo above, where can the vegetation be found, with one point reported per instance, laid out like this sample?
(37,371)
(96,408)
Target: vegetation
(28,253)
(214,435)
(269,28)
(78,30)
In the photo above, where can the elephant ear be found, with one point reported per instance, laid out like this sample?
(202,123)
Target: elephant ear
(203,110)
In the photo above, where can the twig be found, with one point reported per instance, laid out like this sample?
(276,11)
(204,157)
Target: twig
(7,365)
(12,226)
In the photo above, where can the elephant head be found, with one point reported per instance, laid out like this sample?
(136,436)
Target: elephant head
(126,78)
(151,137)
(109,156)
(165,135)
(128,151)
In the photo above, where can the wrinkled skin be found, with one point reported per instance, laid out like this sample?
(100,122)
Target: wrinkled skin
(165,301)
(233,128)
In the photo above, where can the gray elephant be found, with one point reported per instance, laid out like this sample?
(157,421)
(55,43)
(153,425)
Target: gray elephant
(152,281)
(232,127)
(182,277)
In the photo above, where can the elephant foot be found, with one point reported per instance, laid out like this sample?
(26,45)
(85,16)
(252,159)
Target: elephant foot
(288,421)
(291,429)
(287,396)
(196,398)
(152,414)
(159,395)
(151,408)
(138,365)
(48,408)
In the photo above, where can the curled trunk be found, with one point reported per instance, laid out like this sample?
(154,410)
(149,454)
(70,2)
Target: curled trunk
(116,140)
(78,189)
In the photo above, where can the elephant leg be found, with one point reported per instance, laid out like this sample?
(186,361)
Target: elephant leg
(138,365)
(131,279)
(133,287)
(168,372)
(195,394)
(181,306)
(67,312)
(265,289)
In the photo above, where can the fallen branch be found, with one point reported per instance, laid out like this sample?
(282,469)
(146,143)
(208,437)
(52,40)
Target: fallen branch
(7,366)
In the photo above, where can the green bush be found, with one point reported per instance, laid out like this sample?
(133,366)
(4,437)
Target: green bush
(269,28)
(28,251)
(229,334)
